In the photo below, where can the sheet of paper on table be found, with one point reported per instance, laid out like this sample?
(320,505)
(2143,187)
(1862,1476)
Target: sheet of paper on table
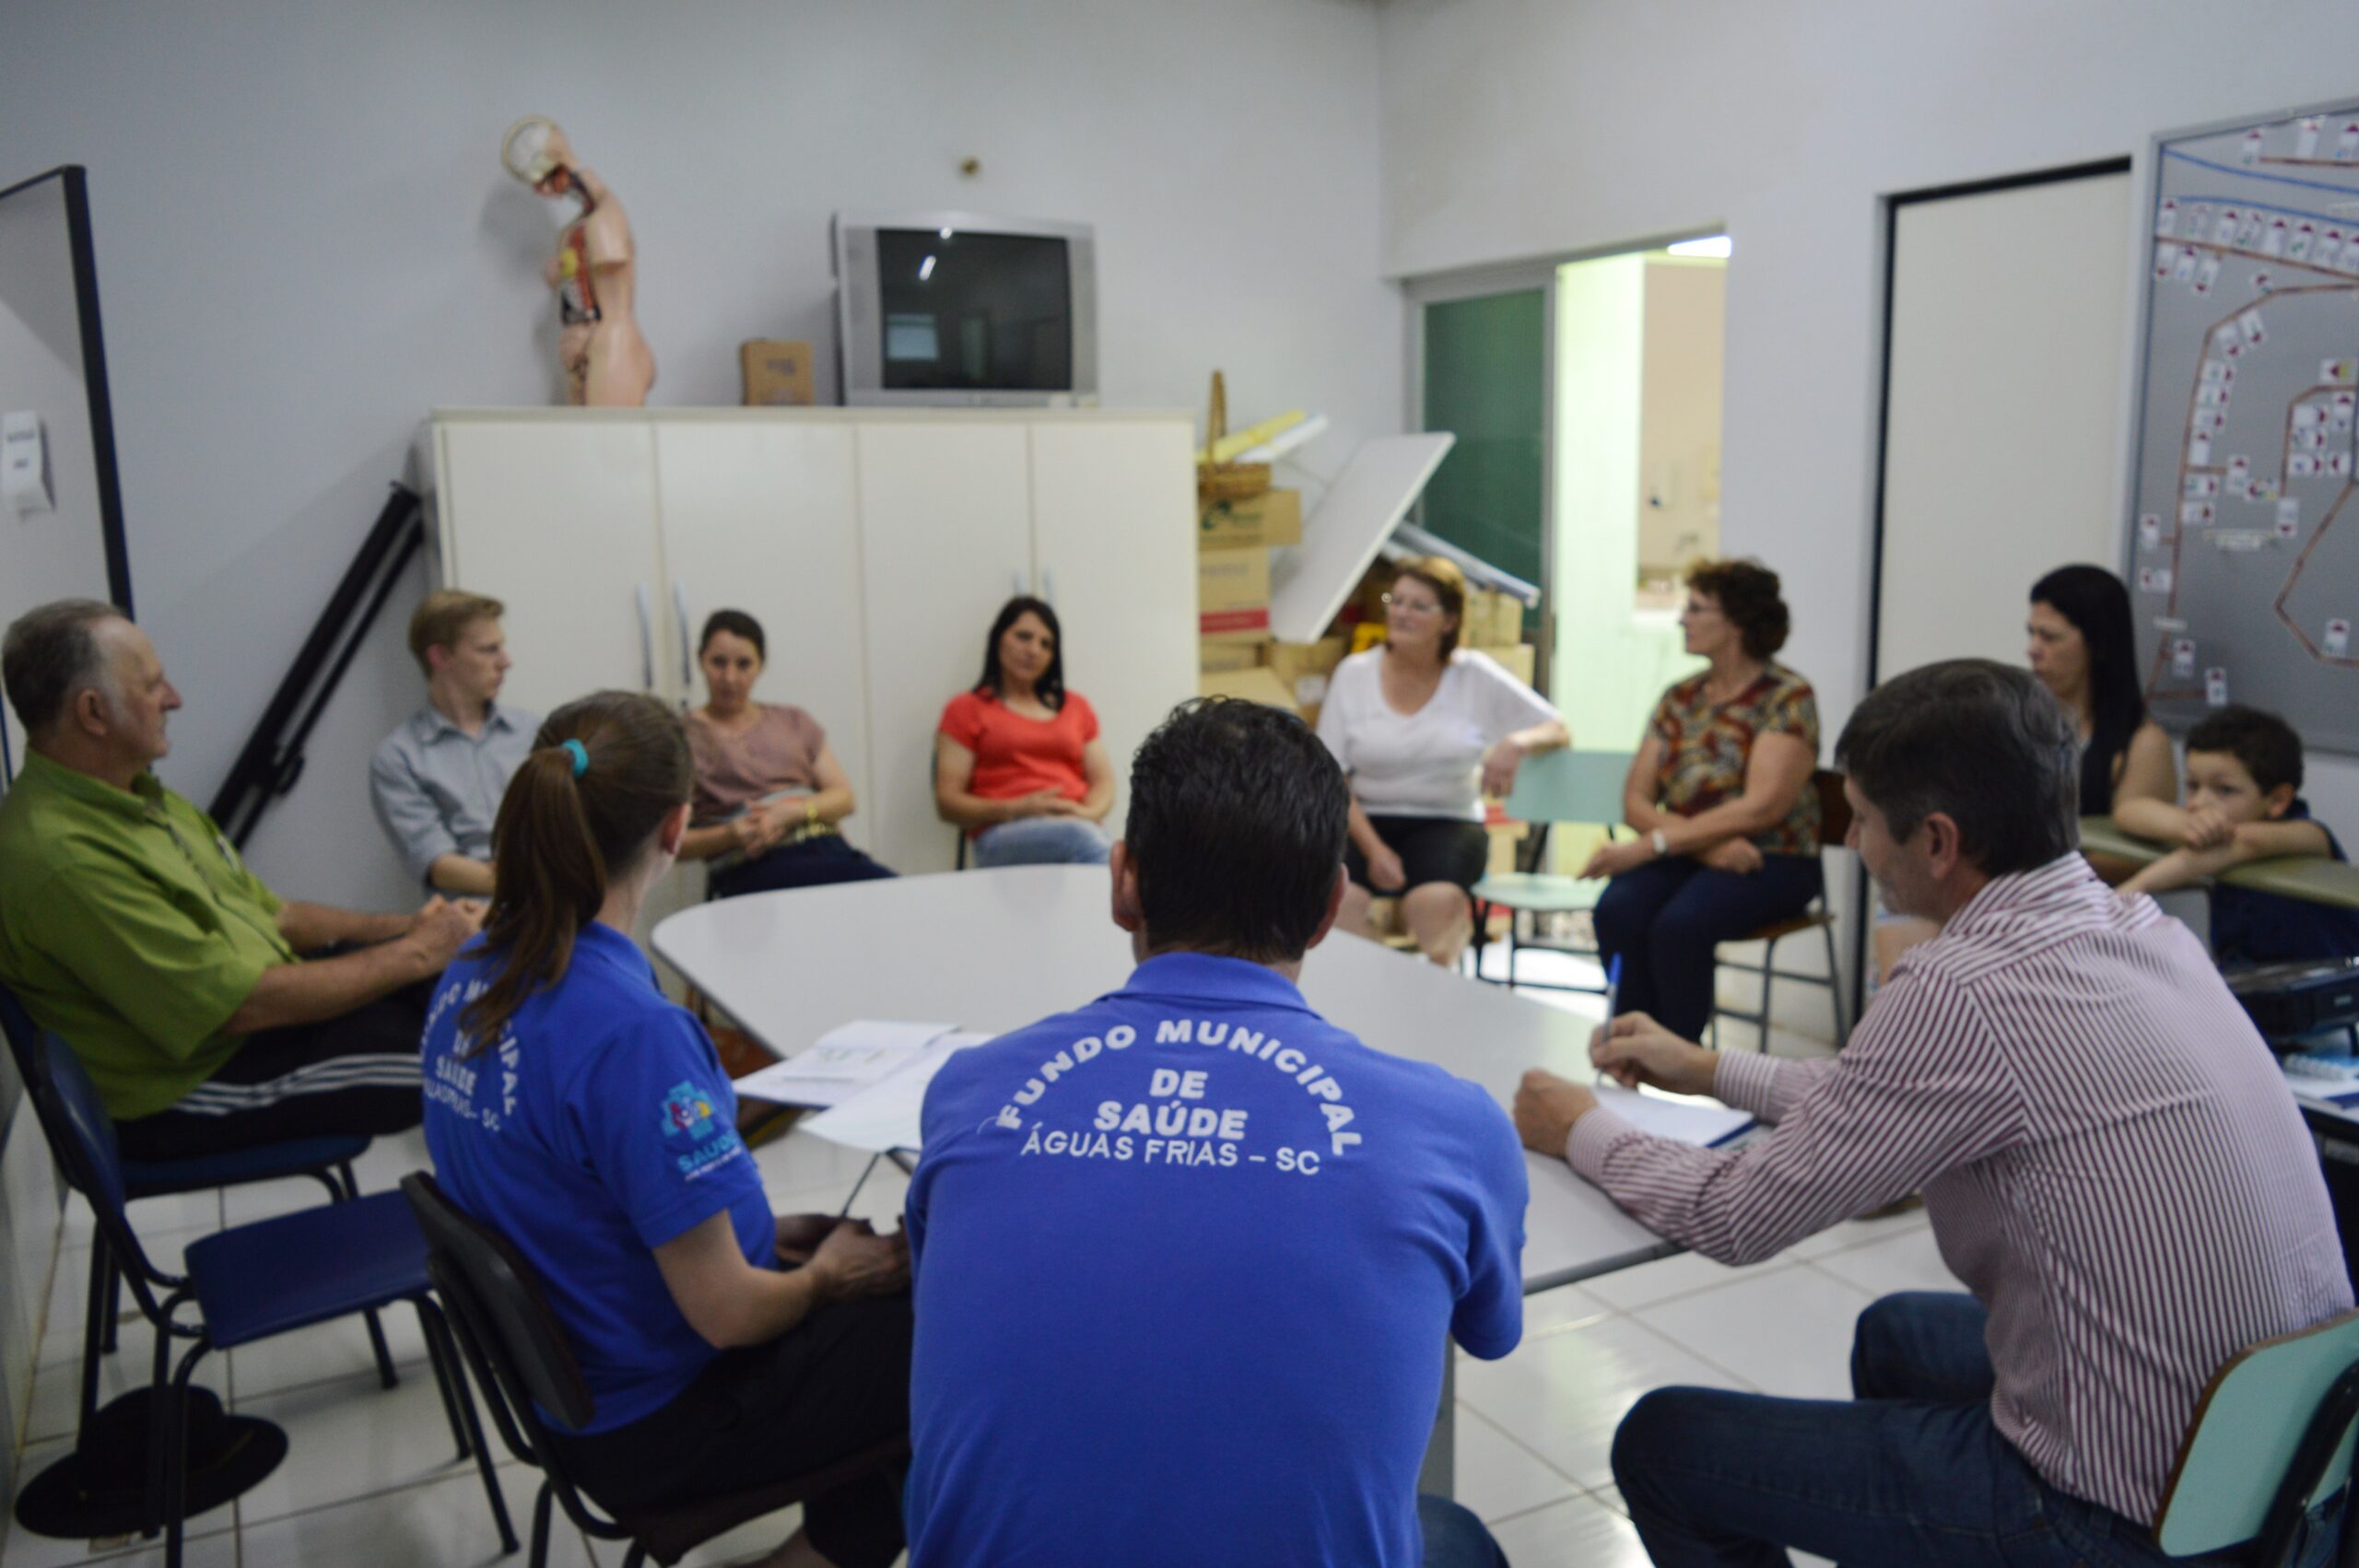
(842,1062)
(888,1114)
(1705,1123)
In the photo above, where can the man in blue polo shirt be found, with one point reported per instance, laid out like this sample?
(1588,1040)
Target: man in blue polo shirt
(1187,1256)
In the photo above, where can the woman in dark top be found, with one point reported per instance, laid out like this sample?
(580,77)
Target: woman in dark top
(2081,649)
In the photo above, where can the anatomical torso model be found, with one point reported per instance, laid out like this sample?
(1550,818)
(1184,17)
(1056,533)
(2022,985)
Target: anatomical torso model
(607,363)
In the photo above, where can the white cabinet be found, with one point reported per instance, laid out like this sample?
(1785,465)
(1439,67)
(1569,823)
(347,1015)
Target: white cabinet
(873,547)
(560,526)
(945,512)
(762,518)
(1113,531)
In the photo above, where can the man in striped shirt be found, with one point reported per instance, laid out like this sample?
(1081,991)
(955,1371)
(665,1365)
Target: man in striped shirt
(2109,1158)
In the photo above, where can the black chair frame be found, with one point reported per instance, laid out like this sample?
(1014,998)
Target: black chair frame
(524,1364)
(2329,1423)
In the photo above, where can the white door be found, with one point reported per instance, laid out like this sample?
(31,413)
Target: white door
(2003,437)
(761,517)
(1114,544)
(556,519)
(946,538)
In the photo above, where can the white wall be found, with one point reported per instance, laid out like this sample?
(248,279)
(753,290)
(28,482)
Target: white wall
(1996,347)
(59,553)
(1514,130)
(305,240)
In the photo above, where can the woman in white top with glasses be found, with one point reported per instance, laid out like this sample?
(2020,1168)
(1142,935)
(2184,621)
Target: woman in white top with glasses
(1422,729)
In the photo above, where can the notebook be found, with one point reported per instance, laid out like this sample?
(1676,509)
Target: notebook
(1705,1123)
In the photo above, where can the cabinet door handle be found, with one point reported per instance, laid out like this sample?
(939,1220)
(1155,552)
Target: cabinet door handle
(646,641)
(688,662)
(1048,586)
(1016,582)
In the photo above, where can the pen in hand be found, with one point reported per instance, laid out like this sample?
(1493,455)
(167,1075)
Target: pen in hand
(1613,999)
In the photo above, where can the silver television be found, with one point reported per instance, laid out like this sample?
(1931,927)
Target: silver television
(961,310)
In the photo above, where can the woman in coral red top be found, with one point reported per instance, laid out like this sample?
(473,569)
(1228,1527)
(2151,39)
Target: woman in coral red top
(1017,760)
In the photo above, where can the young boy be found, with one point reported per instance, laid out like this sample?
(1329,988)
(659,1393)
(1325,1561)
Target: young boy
(436,782)
(2243,769)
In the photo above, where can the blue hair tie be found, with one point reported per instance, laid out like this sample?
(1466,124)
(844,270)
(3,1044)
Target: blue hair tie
(580,756)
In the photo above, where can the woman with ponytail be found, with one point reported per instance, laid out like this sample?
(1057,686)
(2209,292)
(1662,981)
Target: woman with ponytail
(574,1108)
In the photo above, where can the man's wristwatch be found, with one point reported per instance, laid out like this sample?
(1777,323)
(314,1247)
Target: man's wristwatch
(1663,845)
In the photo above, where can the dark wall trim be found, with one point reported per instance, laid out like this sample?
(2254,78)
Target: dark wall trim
(75,181)
(2089,170)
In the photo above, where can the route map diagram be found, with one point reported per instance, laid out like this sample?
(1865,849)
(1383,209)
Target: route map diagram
(2245,558)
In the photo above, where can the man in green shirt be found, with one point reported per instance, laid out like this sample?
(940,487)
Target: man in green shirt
(129,925)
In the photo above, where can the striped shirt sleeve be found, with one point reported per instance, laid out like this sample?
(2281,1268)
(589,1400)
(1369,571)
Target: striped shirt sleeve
(1921,1089)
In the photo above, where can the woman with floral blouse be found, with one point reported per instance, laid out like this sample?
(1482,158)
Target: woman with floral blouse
(1721,796)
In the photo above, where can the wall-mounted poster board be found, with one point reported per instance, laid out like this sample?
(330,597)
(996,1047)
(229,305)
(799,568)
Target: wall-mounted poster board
(66,541)
(2244,539)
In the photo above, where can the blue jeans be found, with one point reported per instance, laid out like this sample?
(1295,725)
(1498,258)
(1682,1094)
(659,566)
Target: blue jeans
(817,862)
(1665,918)
(1043,841)
(1911,1470)
(1454,1536)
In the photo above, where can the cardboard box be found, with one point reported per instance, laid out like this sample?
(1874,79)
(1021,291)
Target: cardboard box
(777,374)
(1304,667)
(1253,685)
(1519,660)
(1275,517)
(1492,620)
(1474,620)
(1213,657)
(1233,595)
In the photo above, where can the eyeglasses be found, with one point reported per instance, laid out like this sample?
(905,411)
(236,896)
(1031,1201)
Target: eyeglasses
(1413,606)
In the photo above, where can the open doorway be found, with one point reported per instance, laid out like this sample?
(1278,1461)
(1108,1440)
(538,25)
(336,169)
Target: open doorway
(1640,346)
(1586,399)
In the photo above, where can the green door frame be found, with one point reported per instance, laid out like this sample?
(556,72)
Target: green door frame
(1506,277)
(1474,283)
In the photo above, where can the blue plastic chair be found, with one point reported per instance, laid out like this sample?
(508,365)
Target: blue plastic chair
(1555,787)
(247,1283)
(327,1161)
(2271,1439)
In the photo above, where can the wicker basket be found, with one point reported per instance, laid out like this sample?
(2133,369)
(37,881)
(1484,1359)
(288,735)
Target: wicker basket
(1226,481)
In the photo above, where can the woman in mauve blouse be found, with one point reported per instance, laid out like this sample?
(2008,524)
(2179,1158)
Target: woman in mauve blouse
(771,797)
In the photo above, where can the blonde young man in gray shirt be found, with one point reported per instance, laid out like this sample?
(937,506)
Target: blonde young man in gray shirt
(436,782)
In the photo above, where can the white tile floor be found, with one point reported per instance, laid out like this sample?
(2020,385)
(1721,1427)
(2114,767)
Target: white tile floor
(371,1475)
